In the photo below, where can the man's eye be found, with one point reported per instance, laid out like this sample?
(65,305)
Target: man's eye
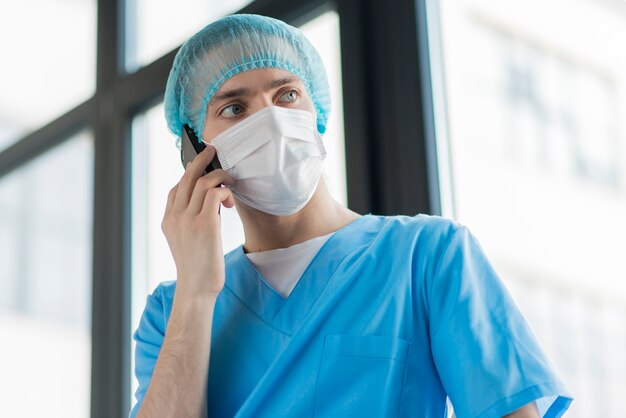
(291,94)
(233,110)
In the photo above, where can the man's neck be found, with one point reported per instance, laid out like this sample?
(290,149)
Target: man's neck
(322,215)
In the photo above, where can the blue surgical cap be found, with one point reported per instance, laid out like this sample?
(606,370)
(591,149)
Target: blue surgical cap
(229,46)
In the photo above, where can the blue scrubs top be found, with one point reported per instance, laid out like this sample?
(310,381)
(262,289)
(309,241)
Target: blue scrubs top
(393,314)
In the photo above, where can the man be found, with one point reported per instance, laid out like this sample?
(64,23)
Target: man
(322,311)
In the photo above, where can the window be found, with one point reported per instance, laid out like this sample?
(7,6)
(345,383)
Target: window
(536,156)
(45,283)
(49,92)
(48,63)
(154,27)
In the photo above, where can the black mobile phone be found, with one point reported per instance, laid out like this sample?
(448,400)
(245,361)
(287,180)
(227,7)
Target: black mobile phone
(190,147)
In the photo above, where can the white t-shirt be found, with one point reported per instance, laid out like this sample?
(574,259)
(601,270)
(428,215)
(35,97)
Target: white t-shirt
(281,268)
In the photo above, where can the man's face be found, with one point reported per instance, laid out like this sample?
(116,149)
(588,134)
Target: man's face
(250,91)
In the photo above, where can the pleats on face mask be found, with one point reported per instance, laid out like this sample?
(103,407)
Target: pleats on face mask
(276,155)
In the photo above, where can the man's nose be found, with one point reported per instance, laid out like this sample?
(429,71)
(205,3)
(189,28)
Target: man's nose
(261,102)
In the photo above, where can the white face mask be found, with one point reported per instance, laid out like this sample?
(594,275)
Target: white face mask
(276,157)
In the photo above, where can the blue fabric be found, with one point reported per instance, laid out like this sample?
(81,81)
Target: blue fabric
(229,46)
(392,315)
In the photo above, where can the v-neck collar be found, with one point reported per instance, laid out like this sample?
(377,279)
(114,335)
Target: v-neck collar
(286,314)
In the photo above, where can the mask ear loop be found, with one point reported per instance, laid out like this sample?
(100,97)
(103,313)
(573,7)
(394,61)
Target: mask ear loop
(319,143)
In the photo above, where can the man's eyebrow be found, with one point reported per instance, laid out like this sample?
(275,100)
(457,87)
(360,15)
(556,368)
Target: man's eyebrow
(246,92)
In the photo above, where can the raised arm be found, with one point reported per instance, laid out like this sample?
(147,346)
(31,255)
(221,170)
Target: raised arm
(192,226)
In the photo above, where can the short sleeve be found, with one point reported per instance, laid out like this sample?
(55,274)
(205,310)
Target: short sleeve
(487,357)
(148,340)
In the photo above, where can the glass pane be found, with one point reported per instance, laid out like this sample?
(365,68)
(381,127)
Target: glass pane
(155,27)
(45,283)
(157,168)
(537,152)
(48,50)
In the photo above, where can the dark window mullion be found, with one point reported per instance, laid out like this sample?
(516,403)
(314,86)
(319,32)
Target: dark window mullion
(360,124)
(390,157)
(111,234)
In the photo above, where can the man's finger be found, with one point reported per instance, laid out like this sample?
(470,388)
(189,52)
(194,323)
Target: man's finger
(193,172)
